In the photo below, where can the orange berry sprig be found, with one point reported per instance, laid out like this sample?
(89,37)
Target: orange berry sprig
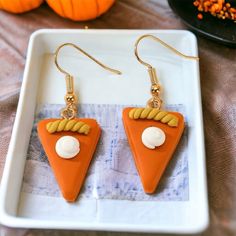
(218,8)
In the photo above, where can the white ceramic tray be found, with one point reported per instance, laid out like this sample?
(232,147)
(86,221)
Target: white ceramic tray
(42,84)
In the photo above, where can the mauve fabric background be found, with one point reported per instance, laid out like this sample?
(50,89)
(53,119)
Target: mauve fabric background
(218,85)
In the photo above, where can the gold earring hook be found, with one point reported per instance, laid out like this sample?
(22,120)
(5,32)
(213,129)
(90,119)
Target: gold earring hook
(155,101)
(162,43)
(70,111)
(86,54)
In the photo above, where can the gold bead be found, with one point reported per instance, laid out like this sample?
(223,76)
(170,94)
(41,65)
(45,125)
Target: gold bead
(70,98)
(156,89)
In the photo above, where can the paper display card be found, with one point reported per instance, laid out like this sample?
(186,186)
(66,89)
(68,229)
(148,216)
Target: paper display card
(112,173)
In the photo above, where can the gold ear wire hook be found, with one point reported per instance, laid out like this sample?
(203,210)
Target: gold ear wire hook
(150,68)
(155,101)
(86,54)
(70,110)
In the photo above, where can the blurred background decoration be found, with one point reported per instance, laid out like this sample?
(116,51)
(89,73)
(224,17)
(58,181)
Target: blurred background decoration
(77,10)
(213,19)
(219,8)
(19,6)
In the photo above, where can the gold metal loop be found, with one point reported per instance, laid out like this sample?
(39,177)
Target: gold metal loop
(162,43)
(86,54)
(155,101)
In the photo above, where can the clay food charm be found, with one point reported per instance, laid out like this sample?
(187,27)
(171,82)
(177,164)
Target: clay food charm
(153,136)
(69,146)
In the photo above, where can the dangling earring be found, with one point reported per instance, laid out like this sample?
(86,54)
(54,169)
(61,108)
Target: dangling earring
(153,134)
(70,142)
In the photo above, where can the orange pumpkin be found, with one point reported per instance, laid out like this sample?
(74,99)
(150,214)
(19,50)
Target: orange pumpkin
(19,6)
(80,10)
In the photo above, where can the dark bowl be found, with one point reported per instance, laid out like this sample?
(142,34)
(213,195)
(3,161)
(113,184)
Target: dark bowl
(222,31)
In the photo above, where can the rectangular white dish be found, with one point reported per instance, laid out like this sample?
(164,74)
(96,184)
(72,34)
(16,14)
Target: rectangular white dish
(180,79)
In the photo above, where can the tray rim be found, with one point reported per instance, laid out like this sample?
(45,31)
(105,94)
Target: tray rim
(15,221)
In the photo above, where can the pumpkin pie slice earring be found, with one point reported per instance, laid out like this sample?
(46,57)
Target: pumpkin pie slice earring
(70,142)
(153,134)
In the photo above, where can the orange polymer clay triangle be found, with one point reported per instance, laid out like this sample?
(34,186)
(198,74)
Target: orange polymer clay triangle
(151,163)
(70,173)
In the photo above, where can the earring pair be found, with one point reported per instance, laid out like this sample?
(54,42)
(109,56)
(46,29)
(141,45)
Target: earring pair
(70,142)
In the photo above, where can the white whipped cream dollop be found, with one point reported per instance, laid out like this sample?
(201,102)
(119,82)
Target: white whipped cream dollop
(67,147)
(153,137)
